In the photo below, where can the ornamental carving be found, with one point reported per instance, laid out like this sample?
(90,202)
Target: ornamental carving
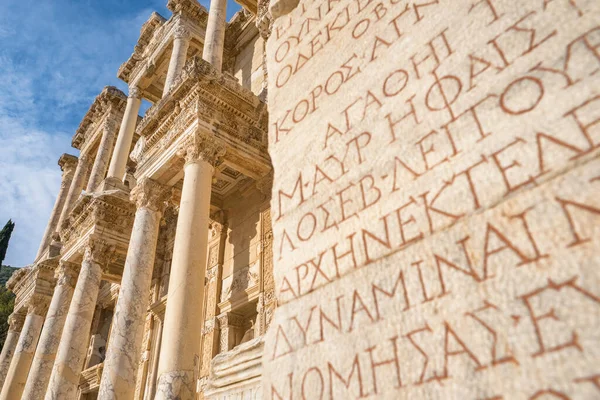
(15,322)
(68,164)
(135,92)
(38,305)
(151,195)
(202,147)
(182,32)
(99,251)
(66,274)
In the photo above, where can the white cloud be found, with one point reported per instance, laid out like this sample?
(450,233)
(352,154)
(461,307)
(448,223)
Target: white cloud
(52,66)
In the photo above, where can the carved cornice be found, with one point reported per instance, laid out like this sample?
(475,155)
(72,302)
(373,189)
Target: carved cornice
(17,277)
(203,94)
(146,34)
(151,195)
(189,8)
(110,100)
(202,147)
(113,213)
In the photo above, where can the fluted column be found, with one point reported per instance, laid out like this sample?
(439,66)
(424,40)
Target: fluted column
(214,40)
(23,356)
(123,353)
(180,349)
(75,190)
(72,349)
(102,156)
(181,43)
(68,164)
(15,326)
(45,354)
(118,162)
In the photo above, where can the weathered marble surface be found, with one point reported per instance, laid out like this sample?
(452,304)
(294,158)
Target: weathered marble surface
(22,357)
(45,353)
(124,349)
(105,149)
(15,323)
(72,349)
(436,200)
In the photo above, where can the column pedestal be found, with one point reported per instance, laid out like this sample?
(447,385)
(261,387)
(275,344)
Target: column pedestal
(45,354)
(179,356)
(68,164)
(15,325)
(23,356)
(72,349)
(118,163)
(123,353)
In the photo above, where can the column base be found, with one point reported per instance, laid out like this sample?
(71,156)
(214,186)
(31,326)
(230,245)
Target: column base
(111,184)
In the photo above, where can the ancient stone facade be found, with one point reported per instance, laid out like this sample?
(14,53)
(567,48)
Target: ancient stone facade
(429,228)
(154,277)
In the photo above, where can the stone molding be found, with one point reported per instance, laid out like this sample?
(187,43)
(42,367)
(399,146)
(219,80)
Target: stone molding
(151,195)
(68,164)
(202,147)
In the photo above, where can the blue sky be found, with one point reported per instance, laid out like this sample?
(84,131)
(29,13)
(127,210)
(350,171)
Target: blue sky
(55,57)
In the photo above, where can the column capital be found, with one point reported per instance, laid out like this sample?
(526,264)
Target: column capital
(66,274)
(202,147)
(67,163)
(135,92)
(98,251)
(38,305)
(15,322)
(84,159)
(151,195)
(182,32)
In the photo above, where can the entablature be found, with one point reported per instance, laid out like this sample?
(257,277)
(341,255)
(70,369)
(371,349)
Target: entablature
(215,103)
(107,108)
(34,280)
(148,65)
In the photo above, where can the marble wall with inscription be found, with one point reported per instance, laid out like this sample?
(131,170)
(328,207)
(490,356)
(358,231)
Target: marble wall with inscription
(436,200)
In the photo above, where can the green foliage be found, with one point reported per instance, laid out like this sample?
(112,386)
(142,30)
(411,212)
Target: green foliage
(7,302)
(5,238)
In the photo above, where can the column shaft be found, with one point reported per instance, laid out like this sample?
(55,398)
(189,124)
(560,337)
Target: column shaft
(102,158)
(68,164)
(123,353)
(23,356)
(118,163)
(181,44)
(75,189)
(15,322)
(45,354)
(214,41)
(181,340)
(72,349)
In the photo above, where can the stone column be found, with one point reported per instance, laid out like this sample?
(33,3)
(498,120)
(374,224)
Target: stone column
(75,190)
(183,316)
(214,40)
(181,43)
(118,163)
(72,349)
(67,164)
(15,325)
(124,348)
(41,368)
(102,156)
(21,361)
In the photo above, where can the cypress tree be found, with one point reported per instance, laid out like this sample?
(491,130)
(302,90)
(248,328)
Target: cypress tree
(5,234)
